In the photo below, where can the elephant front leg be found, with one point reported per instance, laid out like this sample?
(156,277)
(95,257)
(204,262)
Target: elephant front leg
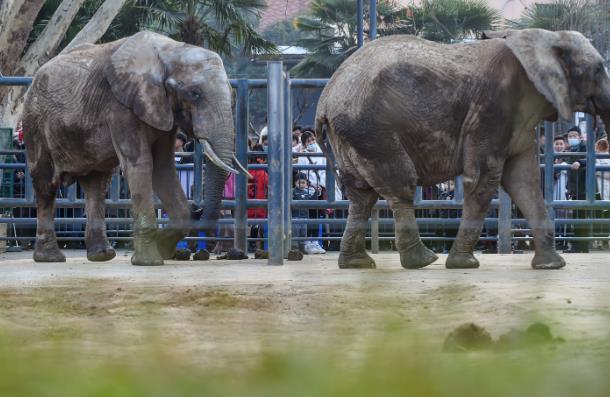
(477,200)
(168,188)
(145,222)
(521,179)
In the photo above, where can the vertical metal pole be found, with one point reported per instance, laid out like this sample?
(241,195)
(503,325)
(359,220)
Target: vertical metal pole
(198,173)
(274,117)
(458,189)
(360,12)
(549,135)
(241,151)
(373,20)
(504,223)
(590,170)
(287,165)
(375,231)
(29,188)
(115,185)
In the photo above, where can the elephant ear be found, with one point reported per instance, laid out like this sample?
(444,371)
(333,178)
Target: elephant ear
(136,73)
(541,54)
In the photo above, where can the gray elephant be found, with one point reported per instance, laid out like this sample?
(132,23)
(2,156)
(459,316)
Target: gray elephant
(99,106)
(402,112)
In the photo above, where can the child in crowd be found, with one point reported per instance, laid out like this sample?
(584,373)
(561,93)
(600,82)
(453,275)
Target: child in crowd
(303,191)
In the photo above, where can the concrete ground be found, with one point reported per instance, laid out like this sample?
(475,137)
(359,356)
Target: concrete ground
(228,310)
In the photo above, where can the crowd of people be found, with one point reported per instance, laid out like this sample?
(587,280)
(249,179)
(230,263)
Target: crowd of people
(310,184)
(570,184)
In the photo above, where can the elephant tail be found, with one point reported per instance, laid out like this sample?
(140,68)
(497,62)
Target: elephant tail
(321,129)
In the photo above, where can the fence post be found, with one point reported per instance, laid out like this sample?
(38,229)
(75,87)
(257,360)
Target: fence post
(287,165)
(375,231)
(360,12)
(504,223)
(373,20)
(275,207)
(241,152)
(198,173)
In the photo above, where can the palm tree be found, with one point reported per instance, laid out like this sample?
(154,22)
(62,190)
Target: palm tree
(332,27)
(589,17)
(219,25)
(330,31)
(450,21)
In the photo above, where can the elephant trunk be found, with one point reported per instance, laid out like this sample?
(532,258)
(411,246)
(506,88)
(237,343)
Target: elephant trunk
(219,148)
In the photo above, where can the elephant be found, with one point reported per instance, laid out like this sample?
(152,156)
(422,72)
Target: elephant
(121,103)
(402,111)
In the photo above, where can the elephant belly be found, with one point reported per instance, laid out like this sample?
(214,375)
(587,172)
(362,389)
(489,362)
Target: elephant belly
(78,152)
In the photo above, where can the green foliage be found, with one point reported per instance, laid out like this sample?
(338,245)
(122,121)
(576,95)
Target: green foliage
(559,15)
(224,26)
(332,27)
(220,25)
(455,20)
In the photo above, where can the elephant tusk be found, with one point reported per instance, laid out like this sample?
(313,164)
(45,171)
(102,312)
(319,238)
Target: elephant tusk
(243,169)
(211,154)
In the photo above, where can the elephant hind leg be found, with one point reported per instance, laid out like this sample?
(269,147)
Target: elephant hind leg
(45,186)
(353,246)
(393,176)
(477,200)
(95,186)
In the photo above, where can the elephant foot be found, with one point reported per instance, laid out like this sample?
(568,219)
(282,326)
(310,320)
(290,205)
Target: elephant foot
(48,251)
(356,261)
(48,254)
(101,254)
(145,249)
(167,240)
(548,260)
(461,260)
(417,257)
(139,259)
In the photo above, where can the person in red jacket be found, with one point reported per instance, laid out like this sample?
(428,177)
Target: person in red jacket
(258,188)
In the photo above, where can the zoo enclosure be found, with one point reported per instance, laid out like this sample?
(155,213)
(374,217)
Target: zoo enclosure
(280,167)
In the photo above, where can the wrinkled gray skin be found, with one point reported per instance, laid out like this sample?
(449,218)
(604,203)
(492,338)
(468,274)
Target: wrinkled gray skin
(402,112)
(99,106)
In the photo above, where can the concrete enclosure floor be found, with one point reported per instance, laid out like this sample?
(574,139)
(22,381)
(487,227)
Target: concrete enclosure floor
(221,311)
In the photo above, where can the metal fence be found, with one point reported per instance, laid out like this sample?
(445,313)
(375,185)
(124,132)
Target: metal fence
(438,214)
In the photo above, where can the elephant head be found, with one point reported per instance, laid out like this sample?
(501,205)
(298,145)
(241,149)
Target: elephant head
(168,84)
(564,67)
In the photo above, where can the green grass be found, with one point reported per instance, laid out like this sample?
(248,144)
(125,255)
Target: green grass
(394,362)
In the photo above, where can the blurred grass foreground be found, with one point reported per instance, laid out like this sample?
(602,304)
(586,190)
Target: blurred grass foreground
(393,362)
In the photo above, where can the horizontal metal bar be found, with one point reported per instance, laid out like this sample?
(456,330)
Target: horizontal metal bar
(308,83)
(16,80)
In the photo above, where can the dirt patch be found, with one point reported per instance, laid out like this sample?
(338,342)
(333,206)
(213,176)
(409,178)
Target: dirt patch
(470,336)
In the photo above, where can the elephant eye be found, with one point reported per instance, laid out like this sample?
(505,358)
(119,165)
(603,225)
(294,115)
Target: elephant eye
(195,96)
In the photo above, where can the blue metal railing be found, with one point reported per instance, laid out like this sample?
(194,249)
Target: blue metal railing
(279,204)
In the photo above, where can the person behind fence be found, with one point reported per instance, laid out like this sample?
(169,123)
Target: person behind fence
(577,188)
(317,180)
(258,188)
(560,187)
(303,191)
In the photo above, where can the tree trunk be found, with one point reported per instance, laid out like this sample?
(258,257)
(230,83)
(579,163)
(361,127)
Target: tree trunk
(46,44)
(16,21)
(99,23)
(37,54)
